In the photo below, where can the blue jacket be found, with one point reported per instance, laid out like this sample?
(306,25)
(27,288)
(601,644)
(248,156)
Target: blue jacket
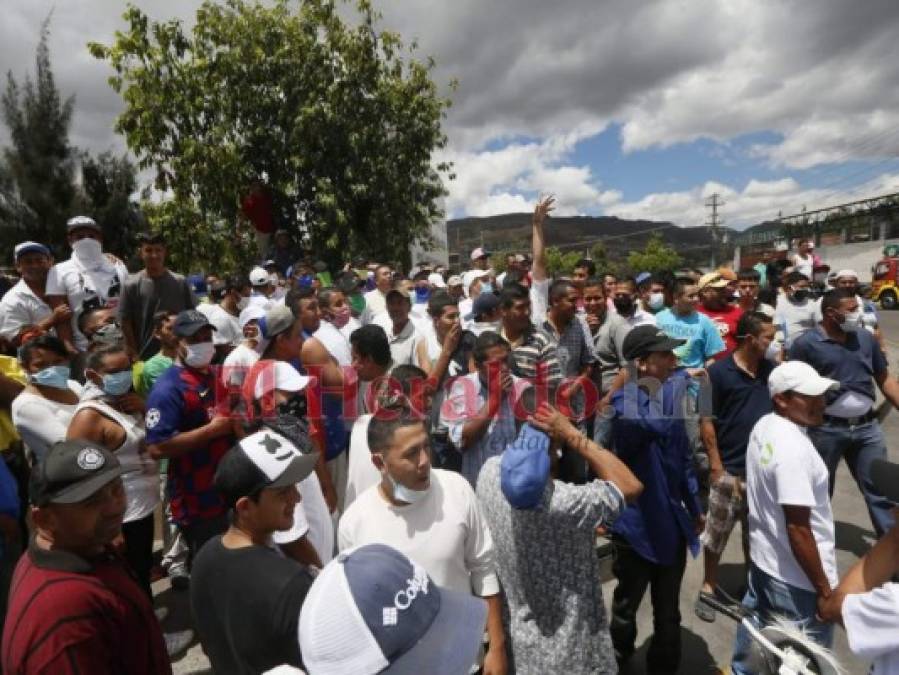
(651,439)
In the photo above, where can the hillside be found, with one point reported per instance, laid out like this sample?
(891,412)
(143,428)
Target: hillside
(513,231)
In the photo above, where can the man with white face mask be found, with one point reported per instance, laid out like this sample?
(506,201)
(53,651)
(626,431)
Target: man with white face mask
(86,279)
(429,515)
(841,349)
(183,426)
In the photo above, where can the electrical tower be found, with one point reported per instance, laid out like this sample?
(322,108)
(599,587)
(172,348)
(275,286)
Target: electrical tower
(714,222)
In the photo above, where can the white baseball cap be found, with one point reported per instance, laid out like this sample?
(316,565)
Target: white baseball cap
(252,312)
(372,610)
(436,280)
(454,280)
(479,252)
(279,375)
(800,377)
(259,277)
(847,274)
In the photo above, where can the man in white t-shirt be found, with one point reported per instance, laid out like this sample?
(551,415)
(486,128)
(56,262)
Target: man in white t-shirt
(87,279)
(230,298)
(791,530)
(263,288)
(432,516)
(407,343)
(867,602)
(376,299)
(23,308)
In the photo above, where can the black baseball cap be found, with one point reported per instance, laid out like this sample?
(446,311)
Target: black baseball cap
(72,471)
(885,477)
(643,340)
(483,304)
(189,321)
(265,459)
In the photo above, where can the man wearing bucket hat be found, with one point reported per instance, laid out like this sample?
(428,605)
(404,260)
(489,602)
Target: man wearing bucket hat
(867,602)
(392,619)
(546,529)
(791,530)
(75,606)
(253,629)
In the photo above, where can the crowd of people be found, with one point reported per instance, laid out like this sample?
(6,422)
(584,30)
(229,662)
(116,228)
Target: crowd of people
(361,471)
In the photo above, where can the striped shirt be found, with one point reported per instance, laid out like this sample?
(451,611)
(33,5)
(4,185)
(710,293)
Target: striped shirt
(532,351)
(68,615)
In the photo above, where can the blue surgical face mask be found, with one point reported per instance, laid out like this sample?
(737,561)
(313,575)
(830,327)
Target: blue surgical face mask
(52,376)
(486,287)
(656,302)
(422,294)
(117,384)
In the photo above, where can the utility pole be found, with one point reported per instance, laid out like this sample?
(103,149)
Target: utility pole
(714,222)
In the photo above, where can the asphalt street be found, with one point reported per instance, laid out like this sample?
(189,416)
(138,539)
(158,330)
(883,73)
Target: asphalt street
(706,647)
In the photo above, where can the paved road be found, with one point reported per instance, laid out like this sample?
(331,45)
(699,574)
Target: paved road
(706,647)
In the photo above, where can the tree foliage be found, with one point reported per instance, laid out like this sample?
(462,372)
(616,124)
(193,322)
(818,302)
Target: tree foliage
(655,257)
(336,120)
(37,188)
(108,184)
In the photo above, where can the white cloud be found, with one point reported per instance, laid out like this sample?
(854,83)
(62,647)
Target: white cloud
(756,202)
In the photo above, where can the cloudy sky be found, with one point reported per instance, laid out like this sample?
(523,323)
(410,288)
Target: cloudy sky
(619,107)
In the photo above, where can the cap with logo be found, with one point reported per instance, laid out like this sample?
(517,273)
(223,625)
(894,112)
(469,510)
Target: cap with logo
(800,377)
(71,472)
(454,280)
(275,321)
(524,468)
(265,459)
(29,247)
(189,321)
(436,280)
(372,610)
(643,340)
(712,280)
(78,222)
(258,277)
(480,252)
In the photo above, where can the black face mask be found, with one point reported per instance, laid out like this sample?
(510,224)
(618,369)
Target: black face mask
(293,429)
(624,305)
(295,407)
(801,294)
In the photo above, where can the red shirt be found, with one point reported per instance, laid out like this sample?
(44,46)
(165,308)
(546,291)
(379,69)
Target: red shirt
(726,321)
(68,615)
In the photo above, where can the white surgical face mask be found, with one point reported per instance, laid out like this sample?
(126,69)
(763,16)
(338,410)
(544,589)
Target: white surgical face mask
(273,279)
(199,355)
(88,249)
(851,322)
(773,351)
(403,494)
(242,303)
(657,302)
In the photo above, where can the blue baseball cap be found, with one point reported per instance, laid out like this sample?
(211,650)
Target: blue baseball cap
(372,610)
(524,468)
(29,247)
(642,278)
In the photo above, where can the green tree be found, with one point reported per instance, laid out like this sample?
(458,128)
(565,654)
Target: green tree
(655,257)
(37,189)
(336,120)
(559,263)
(107,186)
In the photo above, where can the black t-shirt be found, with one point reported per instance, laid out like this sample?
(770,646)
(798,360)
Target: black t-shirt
(246,603)
(738,402)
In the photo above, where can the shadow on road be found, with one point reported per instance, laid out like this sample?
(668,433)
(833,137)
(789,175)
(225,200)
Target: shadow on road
(852,538)
(696,658)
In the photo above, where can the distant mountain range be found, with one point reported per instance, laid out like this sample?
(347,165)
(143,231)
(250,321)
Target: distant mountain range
(512,231)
